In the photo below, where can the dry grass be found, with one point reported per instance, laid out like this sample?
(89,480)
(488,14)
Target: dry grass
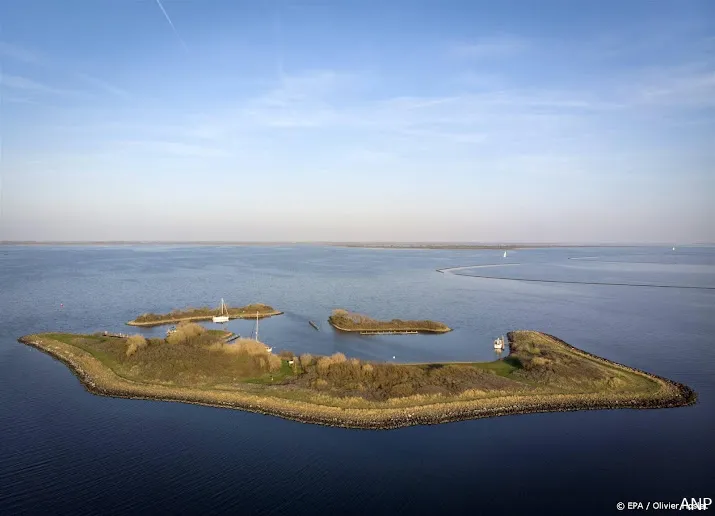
(186,333)
(135,343)
(205,313)
(348,321)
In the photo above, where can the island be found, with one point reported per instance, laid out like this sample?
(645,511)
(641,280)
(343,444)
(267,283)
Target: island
(541,373)
(252,311)
(346,321)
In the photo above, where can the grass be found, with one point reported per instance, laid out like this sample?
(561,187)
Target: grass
(541,373)
(285,373)
(197,314)
(348,321)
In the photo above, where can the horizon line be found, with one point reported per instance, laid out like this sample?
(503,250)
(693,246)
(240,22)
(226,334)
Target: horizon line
(364,243)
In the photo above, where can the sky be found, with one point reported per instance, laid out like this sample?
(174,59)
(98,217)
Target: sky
(389,120)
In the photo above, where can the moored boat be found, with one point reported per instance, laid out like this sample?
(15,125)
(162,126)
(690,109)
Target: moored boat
(223,315)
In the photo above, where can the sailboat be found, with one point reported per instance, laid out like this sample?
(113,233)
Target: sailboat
(256,334)
(504,254)
(223,316)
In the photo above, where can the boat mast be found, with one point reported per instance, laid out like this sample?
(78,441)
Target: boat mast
(256,325)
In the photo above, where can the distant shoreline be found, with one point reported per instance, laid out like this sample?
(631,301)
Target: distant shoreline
(363,245)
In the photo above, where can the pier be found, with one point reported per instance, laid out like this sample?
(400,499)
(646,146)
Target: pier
(116,335)
(388,332)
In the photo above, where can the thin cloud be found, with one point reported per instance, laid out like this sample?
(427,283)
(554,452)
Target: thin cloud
(24,55)
(9,99)
(500,46)
(177,148)
(687,88)
(18,53)
(109,88)
(24,84)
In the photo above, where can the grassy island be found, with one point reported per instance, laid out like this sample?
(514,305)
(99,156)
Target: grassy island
(540,374)
(347,321)
(204,313)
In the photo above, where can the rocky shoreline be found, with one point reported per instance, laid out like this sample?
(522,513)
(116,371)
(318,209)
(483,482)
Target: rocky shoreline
(97,379)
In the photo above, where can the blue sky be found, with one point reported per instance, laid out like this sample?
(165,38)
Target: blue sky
(530,121)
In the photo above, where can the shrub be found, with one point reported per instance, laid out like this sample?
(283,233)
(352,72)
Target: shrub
(249,346)
(338,358)
(185,333)
(274,363)
(306,360)
(323,363)
(135,343)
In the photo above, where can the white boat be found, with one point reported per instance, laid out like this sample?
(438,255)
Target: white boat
(255,333)
(499,342)
(673,248)
(223,316)
(504,254)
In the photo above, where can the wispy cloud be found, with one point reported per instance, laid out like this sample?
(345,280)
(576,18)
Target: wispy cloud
(29,85)
(690,86)
(11,99)
(176,148)
(99,83)
(487,48)
(24,55)
(18,53)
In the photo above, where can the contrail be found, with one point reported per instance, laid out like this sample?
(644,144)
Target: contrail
(278,39)
(158,2)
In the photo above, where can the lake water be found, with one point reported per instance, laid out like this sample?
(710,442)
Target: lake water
(65,451)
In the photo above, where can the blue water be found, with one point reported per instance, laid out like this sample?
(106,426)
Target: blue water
(65,451)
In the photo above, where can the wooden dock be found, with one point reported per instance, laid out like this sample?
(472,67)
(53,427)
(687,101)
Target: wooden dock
(116,335)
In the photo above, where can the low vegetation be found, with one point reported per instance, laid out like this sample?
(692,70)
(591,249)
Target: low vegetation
(196,365)
(349,321)
(135,343)
(197,314)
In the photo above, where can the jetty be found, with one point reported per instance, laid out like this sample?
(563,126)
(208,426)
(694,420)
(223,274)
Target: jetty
(388,332)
